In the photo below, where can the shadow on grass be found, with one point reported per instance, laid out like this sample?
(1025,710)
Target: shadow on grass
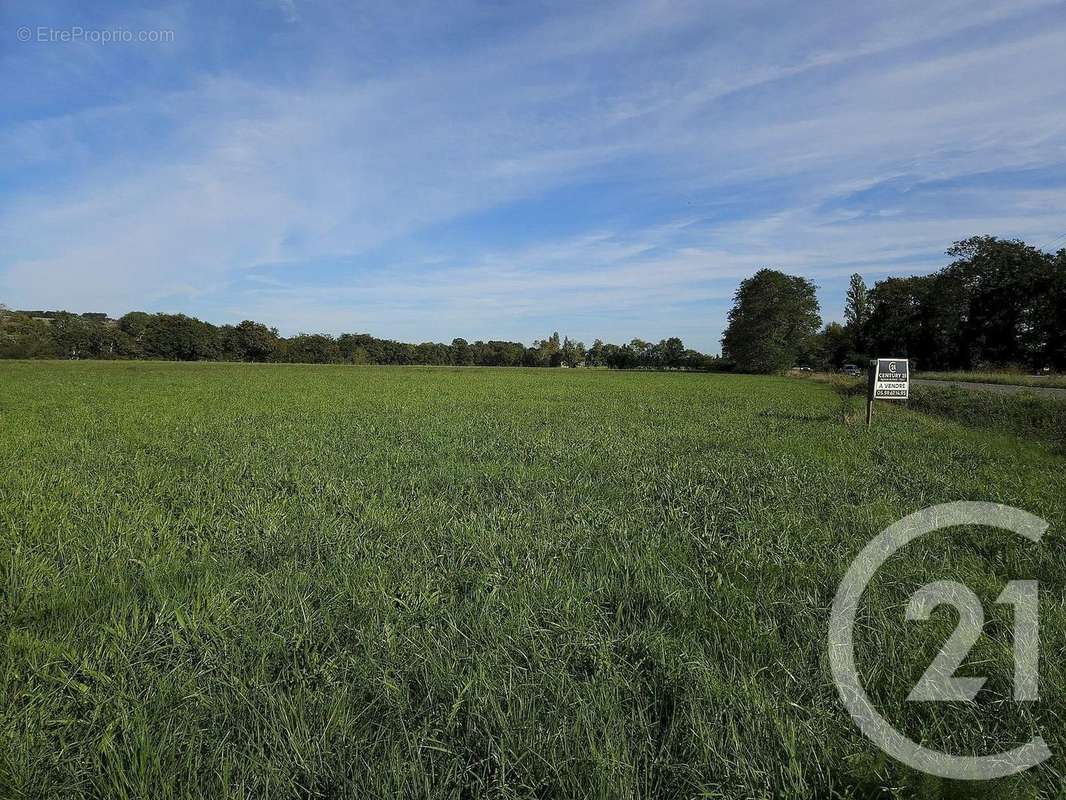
(796,416)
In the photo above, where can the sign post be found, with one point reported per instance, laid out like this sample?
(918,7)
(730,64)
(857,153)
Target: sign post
(890,379)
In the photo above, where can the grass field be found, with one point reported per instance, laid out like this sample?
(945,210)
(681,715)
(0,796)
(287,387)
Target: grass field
(300,581)
(1004,378)
(1037,415)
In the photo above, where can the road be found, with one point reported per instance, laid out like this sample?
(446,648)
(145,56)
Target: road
(1053,391)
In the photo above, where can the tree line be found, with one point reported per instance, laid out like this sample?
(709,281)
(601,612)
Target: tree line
(177,337)
(998,304)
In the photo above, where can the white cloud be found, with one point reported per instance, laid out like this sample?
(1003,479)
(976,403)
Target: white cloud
(178,195)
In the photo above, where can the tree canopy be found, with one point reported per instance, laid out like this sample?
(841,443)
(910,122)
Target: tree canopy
(773,320)
(998,303)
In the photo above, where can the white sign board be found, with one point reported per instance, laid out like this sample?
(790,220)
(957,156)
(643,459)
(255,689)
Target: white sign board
(890,379)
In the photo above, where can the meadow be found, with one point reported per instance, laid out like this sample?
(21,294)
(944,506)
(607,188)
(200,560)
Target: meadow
(264,581)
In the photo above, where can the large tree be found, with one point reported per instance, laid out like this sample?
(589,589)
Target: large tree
(998,303)
(773,319)
(670,352)
(462,354)
(250,341)
(310,348)
(177,337)
(546,352)
(894,316)
(573,353)
(1004,283)
(75,336)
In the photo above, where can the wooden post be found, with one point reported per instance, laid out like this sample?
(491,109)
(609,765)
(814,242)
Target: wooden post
(870,393)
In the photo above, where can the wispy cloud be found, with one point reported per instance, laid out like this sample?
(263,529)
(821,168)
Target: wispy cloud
(643,157)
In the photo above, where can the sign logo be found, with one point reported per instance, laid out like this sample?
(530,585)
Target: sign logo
(939,682)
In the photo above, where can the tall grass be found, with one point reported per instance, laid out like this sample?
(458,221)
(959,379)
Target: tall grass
(285,581)
(1039,416)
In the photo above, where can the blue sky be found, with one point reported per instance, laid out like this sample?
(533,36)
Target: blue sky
(428,170)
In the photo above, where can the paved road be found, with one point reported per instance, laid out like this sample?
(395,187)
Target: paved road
(1054,391)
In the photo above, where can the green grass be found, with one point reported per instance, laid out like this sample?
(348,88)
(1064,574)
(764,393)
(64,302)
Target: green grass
(1004,378)
(1041,416)
(300,581)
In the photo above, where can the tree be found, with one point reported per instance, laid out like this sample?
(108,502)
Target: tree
(501,354)
(311,348)
(461,353)
(134,324)
(179,338)
(250,341)
(857,303)
(594,357)
(545,352)
(773,318)
(1004,282)
(670,352)
(941,307)
(835,346)
(76,337)
(22,336)
(857,312)
(433,353)
(620,357)
(894,316)
(640,349)
(573,353)
(1050,350)
(998,303)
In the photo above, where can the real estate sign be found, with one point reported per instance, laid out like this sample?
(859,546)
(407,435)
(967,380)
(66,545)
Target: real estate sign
(890,379)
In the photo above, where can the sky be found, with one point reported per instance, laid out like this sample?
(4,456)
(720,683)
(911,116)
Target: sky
(501,170)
